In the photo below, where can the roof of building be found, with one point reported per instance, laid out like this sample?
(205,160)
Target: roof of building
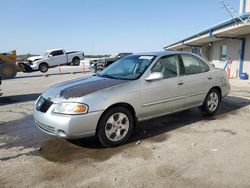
(213,28)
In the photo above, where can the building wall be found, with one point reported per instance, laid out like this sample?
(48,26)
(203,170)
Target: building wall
(213,53)
(233,53)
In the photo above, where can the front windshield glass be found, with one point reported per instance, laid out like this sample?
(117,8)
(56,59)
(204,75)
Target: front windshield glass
(128,68)
(46,54)
(112,56)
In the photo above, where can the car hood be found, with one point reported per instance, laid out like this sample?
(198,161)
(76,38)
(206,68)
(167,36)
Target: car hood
(110,58)
(79,88)
(35,58)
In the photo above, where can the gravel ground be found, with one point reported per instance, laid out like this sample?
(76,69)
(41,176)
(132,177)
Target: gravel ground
(181,150)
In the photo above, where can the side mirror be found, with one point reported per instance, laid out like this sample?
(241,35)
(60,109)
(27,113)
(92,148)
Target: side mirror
(154,76)
(50,55)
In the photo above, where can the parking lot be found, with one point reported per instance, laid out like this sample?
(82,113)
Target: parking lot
(181,150)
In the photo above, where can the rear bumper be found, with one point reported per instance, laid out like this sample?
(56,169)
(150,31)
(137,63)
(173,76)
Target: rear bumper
(225,89)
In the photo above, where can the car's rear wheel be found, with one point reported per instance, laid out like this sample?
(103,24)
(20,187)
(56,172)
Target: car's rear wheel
(43,67)
(211,102)
(76,61)
(115,127)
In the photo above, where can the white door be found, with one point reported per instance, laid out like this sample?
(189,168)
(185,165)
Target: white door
(58,58)
(162,96)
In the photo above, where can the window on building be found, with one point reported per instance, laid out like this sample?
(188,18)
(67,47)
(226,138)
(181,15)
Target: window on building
(197,50)
(223,53)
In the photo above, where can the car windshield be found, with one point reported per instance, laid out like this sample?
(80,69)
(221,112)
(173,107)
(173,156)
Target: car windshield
(128,68)
(46,54)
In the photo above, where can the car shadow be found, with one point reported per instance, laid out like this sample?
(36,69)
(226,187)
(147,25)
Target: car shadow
(5,100)
(28,136)
(153,128)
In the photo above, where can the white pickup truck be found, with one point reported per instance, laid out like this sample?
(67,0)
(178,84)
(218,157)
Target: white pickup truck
(53,58)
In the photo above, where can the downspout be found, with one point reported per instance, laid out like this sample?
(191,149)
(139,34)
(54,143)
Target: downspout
(242,54)
(242,7)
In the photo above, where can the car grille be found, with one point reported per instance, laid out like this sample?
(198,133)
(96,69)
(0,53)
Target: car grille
(30,62)
(43,105)
(45,128)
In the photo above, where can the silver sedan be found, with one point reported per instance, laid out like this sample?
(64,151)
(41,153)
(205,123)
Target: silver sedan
(133,89)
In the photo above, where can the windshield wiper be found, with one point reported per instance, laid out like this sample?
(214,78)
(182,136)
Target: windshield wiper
(113,77)
(108,76)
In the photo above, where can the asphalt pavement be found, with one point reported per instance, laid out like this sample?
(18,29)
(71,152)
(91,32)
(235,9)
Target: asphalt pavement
(180,150)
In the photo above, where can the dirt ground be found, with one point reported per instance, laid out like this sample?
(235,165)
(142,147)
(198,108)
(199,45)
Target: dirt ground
(181,150)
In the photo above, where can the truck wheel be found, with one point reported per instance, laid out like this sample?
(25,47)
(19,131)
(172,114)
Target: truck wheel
(76,61)
(115,127)
(7,70)
(43,67)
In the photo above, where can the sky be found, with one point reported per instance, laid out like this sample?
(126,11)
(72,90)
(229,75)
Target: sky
(104,26)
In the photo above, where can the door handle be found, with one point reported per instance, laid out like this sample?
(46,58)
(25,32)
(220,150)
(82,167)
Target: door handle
(180,83)
(210,78)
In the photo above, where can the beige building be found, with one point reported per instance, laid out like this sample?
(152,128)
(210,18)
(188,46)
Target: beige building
(226,42)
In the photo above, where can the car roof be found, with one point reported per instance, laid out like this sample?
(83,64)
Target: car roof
(51,50)
(163,53)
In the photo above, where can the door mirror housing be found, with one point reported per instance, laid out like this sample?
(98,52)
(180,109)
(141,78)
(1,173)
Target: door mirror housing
(50,55)
(154,76)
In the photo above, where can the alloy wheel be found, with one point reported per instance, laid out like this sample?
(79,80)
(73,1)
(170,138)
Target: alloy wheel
(117,127)
(213,101)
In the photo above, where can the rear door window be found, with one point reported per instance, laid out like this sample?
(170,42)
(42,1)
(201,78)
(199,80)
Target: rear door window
(193,65)
(57,53)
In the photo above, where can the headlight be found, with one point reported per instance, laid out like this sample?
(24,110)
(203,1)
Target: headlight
(71,108)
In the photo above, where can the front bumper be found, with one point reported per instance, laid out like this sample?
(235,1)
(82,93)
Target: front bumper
(35,66)
(24,66)
(98,68)
(67,126)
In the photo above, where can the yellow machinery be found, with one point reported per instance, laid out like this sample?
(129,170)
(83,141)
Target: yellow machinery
(8,67)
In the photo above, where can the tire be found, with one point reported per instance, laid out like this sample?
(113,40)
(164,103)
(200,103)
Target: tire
(211,102)
(76,61)
(115,127)
(7,70)
(43,67)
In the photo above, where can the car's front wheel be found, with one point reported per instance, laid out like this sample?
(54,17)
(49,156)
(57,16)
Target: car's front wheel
(211,102)
(43,67)
(115,127)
